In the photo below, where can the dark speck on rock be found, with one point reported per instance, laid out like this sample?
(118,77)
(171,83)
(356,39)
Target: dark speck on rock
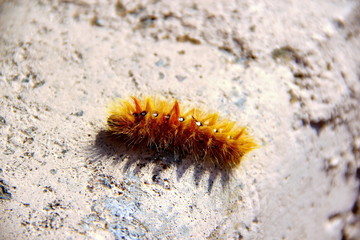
(2,121)
(95,21)
(161,75)
(180,78)
(79,113)
(159,63)
(4,191)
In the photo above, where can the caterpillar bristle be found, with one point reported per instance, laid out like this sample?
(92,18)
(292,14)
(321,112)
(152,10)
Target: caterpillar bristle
(182,130)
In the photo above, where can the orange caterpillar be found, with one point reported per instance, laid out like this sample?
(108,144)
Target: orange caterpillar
(166,126)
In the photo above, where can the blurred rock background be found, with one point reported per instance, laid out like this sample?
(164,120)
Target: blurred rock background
(289,70)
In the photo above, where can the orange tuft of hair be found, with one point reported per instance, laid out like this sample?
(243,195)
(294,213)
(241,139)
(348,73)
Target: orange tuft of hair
(182,130)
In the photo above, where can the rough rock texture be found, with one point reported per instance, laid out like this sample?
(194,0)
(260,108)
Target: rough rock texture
(289,70)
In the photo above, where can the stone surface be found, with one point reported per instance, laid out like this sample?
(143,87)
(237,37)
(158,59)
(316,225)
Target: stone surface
(289,70)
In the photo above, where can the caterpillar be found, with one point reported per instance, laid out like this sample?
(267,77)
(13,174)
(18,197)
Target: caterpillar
(183,130)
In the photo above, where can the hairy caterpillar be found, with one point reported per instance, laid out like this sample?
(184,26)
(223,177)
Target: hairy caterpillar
(183,130)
